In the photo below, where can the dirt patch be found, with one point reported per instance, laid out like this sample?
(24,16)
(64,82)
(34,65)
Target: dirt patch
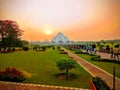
(62,76)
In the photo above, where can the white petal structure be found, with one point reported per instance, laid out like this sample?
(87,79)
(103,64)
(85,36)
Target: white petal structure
(60,39)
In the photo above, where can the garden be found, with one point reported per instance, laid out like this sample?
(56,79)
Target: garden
(40,67)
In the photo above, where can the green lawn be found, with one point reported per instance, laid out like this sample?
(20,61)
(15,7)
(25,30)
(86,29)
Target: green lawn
(41,68)
(107,66)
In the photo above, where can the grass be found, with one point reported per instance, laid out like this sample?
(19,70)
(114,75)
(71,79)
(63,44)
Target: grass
(41,68)
(107,66)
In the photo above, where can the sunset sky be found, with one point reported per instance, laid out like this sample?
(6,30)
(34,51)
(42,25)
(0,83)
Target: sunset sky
(80,20)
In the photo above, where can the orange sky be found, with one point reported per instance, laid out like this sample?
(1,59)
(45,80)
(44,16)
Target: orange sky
(80,20)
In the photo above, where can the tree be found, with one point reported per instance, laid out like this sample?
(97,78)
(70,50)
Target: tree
(9,33)
(66,64)
(112,42)
(24,42)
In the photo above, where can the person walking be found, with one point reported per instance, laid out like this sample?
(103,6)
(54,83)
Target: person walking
(116,51)
(87,48)
(90,49)
(111,52)
(94,48)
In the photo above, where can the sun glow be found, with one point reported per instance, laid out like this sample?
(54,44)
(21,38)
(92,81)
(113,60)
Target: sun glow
(80,20)
(48,32)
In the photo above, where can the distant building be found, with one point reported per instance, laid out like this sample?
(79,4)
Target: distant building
(60,39)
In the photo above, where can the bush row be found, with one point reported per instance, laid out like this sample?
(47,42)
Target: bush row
(80,52)
(98,58)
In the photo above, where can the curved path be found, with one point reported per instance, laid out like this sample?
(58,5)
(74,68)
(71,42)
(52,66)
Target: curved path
(95,71)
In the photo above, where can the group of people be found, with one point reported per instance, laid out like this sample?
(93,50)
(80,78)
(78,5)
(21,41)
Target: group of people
(115,52)
(91,48)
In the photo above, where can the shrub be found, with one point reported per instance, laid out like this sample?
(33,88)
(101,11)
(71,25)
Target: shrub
(25,48)
(13,49)
(9,49)
(58,47)
(11,74)
(96,58)
(53,48)
(91,54)
(63,52)
(43,48)
(66,64)
(100,84)
(35,48)
(78,52)
(49,46)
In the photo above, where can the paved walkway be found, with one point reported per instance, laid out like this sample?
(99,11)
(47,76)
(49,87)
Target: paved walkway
(23,86)
(95,71)
(106,55)
(103,55)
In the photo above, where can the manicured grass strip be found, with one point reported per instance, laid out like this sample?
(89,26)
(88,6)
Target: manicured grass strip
(41,68)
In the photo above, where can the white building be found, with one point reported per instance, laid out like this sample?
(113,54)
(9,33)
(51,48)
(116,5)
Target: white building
(60,39)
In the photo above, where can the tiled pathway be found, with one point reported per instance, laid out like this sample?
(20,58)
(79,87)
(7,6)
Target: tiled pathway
(95,71)
(23,86)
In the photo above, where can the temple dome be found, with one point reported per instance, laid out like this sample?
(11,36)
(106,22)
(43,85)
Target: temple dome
(60,38)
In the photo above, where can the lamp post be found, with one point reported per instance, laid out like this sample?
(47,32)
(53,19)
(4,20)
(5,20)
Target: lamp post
(113,78)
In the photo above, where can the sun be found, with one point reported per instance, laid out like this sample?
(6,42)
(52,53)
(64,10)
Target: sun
(48,32)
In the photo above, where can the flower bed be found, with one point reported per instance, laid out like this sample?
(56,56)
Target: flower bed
(63,52)
(11,74)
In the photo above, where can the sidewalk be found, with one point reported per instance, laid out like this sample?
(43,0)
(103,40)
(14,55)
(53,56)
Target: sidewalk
(23,86)
(95,71)
(104,55)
